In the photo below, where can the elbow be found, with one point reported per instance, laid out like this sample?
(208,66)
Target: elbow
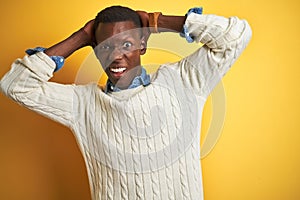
(7,89)
(13,91)
(4,87)
(239,32)
(10,84)
(242,36)
(247,32)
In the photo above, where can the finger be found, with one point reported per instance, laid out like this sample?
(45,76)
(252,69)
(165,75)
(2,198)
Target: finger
(144,18)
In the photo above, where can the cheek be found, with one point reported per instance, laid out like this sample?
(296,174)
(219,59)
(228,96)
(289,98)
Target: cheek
(134,58)
(103,58)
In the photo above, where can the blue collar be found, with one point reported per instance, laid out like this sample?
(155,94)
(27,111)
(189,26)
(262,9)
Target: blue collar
(143,79)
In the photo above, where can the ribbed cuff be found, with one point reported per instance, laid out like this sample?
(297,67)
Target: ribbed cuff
(59,60)
(185,33)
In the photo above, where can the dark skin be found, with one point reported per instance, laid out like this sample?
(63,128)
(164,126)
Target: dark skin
(119,48)
(119,56)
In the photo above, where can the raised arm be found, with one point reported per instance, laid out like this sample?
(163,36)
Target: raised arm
(224,40)
(163,22)
(81,38)
(27,81)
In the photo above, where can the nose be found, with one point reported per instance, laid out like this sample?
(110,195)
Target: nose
(115,54)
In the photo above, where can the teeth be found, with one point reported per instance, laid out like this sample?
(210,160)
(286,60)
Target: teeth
(118,69)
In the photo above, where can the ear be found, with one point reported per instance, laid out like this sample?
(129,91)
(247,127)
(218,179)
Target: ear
(143,46)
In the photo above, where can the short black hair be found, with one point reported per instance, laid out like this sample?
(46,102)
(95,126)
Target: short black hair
(117,14)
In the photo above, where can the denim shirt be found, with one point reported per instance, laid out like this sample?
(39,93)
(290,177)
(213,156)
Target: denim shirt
(143,79)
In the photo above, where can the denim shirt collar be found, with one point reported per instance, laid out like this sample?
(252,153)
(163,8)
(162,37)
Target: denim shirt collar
(143,79)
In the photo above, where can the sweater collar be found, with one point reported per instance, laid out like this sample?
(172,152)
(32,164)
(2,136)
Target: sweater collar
(143,79)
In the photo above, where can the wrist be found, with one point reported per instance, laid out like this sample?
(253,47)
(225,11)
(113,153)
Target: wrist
(66,47)
(153,21)
(58,60)
(82,38)
(167,23)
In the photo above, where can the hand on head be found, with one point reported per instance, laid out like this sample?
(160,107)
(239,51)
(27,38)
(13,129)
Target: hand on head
(88,28)
(144,16)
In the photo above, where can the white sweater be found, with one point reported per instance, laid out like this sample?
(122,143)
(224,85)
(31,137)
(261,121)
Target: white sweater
(140,143)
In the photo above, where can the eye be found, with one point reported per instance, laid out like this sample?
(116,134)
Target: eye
(104,47)
(127,45)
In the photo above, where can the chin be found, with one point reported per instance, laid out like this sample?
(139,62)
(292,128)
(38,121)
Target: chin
(125,79)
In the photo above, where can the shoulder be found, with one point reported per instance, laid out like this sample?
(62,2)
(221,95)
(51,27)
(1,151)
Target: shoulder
(87,90)
(167,72)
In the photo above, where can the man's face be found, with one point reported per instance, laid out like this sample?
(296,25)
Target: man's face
(119,46)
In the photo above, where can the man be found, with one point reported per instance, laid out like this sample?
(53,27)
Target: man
(139,135)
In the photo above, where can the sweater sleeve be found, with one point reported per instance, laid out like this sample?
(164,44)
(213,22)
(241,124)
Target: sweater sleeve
(223,41)
(27,84)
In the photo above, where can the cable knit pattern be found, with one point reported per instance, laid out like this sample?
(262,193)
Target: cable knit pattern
(119,143)
(154,182)
(140,143)
(164,136)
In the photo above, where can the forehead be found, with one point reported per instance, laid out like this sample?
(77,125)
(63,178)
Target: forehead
(106,31)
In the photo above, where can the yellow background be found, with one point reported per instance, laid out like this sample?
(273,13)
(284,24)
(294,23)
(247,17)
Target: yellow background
(258,154)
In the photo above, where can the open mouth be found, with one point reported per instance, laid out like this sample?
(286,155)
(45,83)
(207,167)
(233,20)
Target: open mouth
(117,71)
